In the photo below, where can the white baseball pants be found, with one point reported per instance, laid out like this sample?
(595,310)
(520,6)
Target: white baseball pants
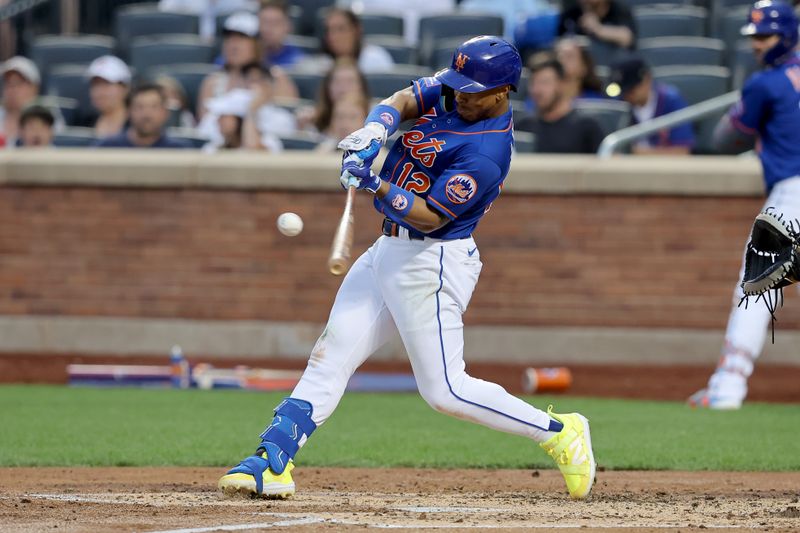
(420,289)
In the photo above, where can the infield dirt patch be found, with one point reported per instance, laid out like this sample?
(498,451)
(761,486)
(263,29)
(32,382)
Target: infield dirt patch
(333,499)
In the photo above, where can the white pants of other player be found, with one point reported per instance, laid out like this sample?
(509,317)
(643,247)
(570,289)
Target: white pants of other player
(419,289)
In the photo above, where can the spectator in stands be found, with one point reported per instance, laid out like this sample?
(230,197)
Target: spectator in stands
(177,102)
(147,107)
(208,11)
(36,127)
(344,39)
(274,27)
(348,115)
(265,122)
(410,10)
(608,21)
(110,80)
(240,51)
(581,80)
(632,80)
(558,127)
(343,79)
(224,120)
(21,82)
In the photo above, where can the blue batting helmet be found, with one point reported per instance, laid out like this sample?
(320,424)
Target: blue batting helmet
(482,63)
(770,17)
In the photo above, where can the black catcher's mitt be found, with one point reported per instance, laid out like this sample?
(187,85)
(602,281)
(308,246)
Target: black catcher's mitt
(771,260)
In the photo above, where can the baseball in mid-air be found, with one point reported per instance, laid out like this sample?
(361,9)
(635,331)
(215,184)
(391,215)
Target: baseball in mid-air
(290,224)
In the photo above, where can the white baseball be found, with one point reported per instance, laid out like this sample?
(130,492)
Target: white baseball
(290,224)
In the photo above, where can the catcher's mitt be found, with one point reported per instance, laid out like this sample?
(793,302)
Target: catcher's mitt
(771,259)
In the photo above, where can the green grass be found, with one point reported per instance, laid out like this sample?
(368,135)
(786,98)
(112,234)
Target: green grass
(61,426)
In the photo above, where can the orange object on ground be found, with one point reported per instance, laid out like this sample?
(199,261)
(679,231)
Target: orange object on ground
(557,379)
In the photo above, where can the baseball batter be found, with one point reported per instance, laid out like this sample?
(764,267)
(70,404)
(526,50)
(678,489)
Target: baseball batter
(439,179)
(769,113)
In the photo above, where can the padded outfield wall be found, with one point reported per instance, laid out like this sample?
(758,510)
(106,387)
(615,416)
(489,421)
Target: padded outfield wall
(626,259)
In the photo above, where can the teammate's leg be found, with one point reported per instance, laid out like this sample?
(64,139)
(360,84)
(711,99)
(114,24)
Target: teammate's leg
(358,325)
(427,296)
(748,325)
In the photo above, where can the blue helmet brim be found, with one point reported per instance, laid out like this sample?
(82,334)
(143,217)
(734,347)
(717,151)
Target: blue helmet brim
(749,29)
(459,82)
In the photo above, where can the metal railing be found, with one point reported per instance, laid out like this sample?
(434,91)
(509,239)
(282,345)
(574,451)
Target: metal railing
(621,138)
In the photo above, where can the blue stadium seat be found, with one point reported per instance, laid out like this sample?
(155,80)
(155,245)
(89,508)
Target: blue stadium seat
(378,24)
(307,83)
(433,29)
(309,45)
(75,138)
(48,51)
(136,20)
(299,141)
(383,84)
(742,63)
(70,81)
(667,51)
(695,83)
(612,115)
(66,108)
(190,76)
(187,134)
(396,46)
(151,51)
(524,142)
(671,21)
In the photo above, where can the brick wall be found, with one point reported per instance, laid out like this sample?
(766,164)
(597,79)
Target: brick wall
(548,260)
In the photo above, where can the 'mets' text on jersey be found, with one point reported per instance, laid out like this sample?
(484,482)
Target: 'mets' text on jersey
(458,167)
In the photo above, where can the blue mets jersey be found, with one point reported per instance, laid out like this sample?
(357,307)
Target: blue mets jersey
(458,167)
(770,108)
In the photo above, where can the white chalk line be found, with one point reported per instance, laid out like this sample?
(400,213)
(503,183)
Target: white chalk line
(297,519)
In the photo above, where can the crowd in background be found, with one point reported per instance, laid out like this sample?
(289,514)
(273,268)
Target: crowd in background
(251,100)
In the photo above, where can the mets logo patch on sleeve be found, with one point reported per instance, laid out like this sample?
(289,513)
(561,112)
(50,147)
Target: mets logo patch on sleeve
(461,188)
(399,202)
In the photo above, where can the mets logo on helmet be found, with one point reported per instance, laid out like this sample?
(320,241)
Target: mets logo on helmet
(756,16)
(461,188)
(399,202)
(461,60)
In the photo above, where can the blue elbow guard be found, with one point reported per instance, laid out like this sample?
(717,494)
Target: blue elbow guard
(281,439)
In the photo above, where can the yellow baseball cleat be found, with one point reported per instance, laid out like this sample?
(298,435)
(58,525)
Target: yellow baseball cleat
(253,477)
(571,449)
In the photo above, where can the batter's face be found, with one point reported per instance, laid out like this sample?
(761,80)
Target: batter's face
(478,106)
(761,45)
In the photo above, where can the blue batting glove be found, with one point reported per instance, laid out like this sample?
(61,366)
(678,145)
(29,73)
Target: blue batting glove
(360,176)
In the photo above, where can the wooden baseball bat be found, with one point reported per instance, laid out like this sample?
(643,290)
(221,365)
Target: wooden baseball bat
(339,259)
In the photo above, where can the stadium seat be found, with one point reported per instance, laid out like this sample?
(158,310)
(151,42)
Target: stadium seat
(383,84)
(50,50)
(433,29)
(189,75)
(636,4)
(442,55)
(605,54)
(727,26)
(299,141)
(695,83)
(306,20)
(187,134)
(307,83)
(378,24)
(66,108)
(704,131)
(524,142)
(70,81)
(612,115)
(309,45)
(667,51)
(75,137)
(671,21)
(396,46)
(157,50)
(742,63)
(136,20)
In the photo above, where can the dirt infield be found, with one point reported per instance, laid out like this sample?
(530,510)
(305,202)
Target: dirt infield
(169,499)
(770,382)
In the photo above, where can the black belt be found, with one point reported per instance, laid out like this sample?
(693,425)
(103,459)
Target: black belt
(391,228)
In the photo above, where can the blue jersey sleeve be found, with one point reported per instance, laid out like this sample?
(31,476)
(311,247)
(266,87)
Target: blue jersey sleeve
(751,110)
(427,91)
(464,186)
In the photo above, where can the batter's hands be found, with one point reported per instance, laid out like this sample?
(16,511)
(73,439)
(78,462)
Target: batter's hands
(358,174)
(365,143)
